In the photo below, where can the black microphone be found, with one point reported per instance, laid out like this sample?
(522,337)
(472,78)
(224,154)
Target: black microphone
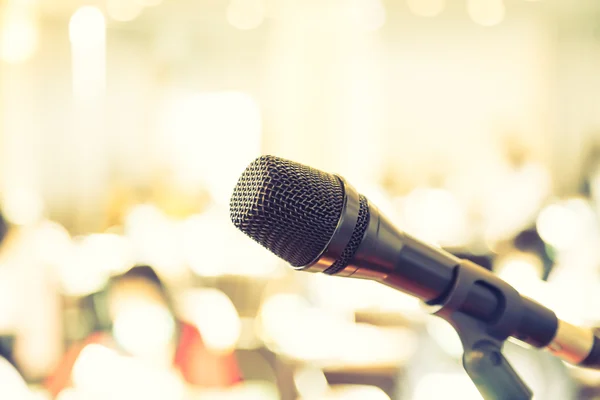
(317,222)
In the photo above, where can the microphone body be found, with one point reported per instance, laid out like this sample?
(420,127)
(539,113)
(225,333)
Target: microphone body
(363,243)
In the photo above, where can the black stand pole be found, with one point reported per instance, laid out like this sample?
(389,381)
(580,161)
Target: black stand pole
(482,342)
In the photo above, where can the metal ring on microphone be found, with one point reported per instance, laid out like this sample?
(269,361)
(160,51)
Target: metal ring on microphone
(342,234)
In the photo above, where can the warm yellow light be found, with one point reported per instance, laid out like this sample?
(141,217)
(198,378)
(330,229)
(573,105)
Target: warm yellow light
(209,138)
(87,27)
(246,14)
(426,8)
(156,240)
(123,10)
(87,32)
(486,12)
(214,314)
(205,244)
(19,35)
(148,3)
(370,15)
(22,206)
(434,215)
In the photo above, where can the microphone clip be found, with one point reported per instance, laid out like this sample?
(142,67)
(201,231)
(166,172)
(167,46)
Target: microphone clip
(483,341)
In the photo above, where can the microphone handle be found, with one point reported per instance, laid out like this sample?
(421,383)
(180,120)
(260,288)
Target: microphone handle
(396,259)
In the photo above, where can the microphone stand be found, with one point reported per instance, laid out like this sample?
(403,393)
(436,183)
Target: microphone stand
(482,342)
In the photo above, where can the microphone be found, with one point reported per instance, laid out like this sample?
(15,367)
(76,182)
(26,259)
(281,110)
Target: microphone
(317,222)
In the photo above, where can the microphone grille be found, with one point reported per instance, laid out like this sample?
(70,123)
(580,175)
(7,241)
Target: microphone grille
(289,208)
(362,224)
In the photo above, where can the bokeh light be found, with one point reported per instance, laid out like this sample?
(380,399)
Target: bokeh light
(369,15)
(123,10)
(143,329)
(125,125)
(22,206)
(426,8)
(210,137)
(486,12)
(216,317)
(310,382)
(246,14)
(87,27)
(19,34)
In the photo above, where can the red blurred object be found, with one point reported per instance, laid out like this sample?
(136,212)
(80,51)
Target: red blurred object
(197,364)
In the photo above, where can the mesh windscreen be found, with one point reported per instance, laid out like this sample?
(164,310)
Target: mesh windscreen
(357,236)
(289,208)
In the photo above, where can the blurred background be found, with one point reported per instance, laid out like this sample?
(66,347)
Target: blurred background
(124,124)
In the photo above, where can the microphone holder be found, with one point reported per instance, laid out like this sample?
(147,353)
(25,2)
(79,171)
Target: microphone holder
(482,342)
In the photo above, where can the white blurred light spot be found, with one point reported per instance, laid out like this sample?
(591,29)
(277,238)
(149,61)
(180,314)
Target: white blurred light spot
(155,240)
(559,226)
(87,27)
(287,324)
(445,336)
(439,385)
(284,321)
(79,273)
(69,394)
(215,316)
(19,35)
(310,382)
(123,10)
(523,271)
(110,252)
(435,216)
(52,243)
(370,15)
(101,373)
(91,364)
(87,33)
(426,8)
(205,244)
(246,14)
(486,12)
(13,386)
(143,329)
(85,264)
(340,293)
(207,241)
(23,207)
(210,137)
